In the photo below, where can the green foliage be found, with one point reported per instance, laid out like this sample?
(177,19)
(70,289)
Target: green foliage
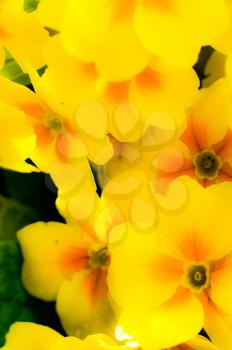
(13,216)
(31,203)
(35,191)
(12,71)
(31,5)
(203,58)
(14,301)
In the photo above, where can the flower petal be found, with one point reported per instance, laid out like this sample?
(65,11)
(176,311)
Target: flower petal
(200,231)
(200,343)
(103,33)
(164,34)
(218,326)
(160,328)
(17,141)
(140,276)
(221,284)
(52,253)
(211,116)
(87,293)
(22,29)
(47,15)
(2,57)
(31,336)
(70,343)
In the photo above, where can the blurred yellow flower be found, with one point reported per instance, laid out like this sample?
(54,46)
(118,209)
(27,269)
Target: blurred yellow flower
(122,37)
(128,104)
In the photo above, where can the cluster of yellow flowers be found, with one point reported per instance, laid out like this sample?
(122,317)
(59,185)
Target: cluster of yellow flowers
(146,264)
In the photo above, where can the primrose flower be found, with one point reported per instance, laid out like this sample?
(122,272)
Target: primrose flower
(125,109)
(129,182)
(123,37)
(179,277)
(129,177)
(18,31)
(69,264)
(204,150)
(58,138)
(31,336)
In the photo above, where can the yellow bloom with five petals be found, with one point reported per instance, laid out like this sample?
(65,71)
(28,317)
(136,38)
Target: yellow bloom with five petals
(177,280)
(204,149)
(52,124)
(69,264)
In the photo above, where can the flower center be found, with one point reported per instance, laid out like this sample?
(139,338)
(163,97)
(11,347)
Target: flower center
(207,164)
(196,277)
(99,258)
(55,125)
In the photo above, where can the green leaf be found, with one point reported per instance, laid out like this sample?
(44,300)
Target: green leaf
(15,303)
(34,190)
(30,5)
(13,216)
(12,71)
(204,56)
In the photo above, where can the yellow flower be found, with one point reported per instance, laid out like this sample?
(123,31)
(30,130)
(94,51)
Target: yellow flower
(129,180)
(58,137)
(69,264)
(124,109)
(177,280)
(21,34)
(204,150)
(122,37)
(31,336)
